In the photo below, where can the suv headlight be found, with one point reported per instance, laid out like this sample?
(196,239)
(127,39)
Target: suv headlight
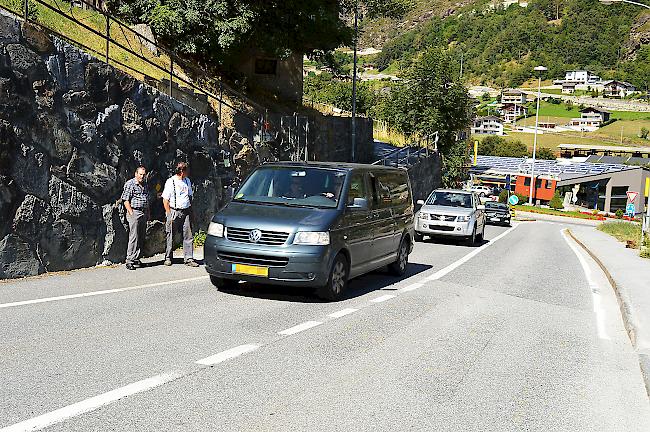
(424,216)
(312,238)
(215,229)
(464,218)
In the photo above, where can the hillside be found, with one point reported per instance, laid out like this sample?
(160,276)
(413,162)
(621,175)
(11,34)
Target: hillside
(501,45)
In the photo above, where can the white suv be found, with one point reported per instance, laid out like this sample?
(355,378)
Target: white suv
(482,191)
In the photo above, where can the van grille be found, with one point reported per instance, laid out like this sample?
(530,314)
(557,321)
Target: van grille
(253,259)
(272,238)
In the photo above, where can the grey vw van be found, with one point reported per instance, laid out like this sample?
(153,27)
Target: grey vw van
(312,224)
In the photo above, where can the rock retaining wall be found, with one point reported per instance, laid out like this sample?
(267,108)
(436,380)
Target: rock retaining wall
(72,131)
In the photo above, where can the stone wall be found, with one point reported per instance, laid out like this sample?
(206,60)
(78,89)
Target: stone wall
(425,176)
(72,131)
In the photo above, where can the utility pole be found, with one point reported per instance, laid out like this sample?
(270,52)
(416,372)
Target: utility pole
(461,64)
(539,69)
(354,83)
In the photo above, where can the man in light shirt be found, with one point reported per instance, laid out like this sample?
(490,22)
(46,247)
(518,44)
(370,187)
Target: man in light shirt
(177,200)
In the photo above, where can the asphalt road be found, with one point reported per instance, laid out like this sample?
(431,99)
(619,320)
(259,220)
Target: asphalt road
(518,335)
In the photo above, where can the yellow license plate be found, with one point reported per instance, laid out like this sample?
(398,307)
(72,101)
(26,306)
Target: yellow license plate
(250,270)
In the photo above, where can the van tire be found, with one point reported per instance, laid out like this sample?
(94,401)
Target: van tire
(222,283)
(419,237)
(337,281)
(398,268)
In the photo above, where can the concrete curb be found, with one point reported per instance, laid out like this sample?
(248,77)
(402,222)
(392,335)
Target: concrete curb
(559,219)
(626,313)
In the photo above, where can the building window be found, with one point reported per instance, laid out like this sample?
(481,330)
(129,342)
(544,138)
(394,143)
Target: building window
(527,181)
(549,184)
(266,66)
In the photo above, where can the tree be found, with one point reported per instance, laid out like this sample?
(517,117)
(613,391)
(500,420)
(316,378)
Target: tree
(431,99)
(218,32)
(556,201)
(545,153)
(515,149)
(455,163)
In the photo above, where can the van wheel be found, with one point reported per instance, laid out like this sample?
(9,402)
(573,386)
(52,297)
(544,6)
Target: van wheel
(419,237)
(398,268)
(222,283)
(337,281)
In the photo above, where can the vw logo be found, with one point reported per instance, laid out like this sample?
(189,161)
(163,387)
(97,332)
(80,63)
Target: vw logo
(255,235)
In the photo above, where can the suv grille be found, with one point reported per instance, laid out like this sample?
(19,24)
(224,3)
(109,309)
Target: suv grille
(272,238)
(252,259)
(447,218)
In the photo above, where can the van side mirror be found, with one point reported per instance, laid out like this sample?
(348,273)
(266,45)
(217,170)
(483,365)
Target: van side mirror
(359,204)
(420,202)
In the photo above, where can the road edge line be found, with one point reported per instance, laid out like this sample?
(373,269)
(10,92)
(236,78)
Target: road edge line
(630,328)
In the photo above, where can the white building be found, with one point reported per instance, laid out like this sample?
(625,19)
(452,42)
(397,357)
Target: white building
(489,125)
(513,96)
(511,112)
(590,119)
(581,77)
(568,88)
(617,89)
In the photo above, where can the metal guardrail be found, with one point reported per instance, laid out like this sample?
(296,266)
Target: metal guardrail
(393,158)
(68,12)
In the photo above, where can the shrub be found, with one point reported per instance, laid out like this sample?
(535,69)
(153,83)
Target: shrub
(556,202)
(199,238)
(503,196)
(644,133)
(619,213)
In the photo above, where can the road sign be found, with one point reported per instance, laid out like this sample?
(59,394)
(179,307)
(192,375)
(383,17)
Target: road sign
(630,209)
(631,196)
(514,200)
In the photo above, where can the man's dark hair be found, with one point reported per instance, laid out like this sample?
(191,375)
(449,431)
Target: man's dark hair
(181,167)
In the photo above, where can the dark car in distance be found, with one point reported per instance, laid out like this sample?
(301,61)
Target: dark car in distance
(497,213)
(312,224)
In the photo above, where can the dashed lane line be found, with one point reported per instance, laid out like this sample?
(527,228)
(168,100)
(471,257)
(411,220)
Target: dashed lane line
(342,313)
(97,293)
(300,327)
(451,267)
(91,404)
(382,298)
(227,355)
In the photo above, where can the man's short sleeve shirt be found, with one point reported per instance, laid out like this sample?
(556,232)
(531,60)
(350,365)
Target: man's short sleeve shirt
(178,192)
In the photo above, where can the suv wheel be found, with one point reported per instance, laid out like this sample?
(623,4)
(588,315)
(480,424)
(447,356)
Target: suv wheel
(398,268)
(471,240)
(337,281)
(222,284)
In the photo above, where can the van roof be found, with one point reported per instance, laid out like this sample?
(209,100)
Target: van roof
(339,165)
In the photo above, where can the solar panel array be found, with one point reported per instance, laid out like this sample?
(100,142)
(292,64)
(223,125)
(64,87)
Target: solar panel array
(555,168)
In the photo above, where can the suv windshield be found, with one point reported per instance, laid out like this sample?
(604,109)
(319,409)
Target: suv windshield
(303,187)
(450,199)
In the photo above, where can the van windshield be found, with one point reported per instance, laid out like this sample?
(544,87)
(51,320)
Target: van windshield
(452,199)
(301,187)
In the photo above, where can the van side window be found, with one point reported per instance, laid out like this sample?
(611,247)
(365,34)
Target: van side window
(394,188)
(357,188)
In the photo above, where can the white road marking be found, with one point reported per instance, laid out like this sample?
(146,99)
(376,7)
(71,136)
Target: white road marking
(96,293)
(440,273)
(91,404)
(593,287)
(228,354)
(300,327)
(342,313)
(382,298)
(411,287)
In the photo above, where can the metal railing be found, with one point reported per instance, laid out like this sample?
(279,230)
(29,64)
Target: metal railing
(113,26)
(403,157)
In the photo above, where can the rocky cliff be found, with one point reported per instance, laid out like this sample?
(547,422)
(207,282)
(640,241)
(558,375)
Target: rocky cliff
(72,131)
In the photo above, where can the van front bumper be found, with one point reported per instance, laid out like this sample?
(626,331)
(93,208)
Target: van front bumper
(303,266)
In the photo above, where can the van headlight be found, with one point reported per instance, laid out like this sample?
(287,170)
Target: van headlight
(312,238)
(464,218)
(215,229)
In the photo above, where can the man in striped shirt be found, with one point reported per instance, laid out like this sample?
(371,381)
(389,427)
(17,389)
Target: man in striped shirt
(136,201)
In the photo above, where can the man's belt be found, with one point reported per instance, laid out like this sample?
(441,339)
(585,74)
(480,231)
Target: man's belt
(180,209)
